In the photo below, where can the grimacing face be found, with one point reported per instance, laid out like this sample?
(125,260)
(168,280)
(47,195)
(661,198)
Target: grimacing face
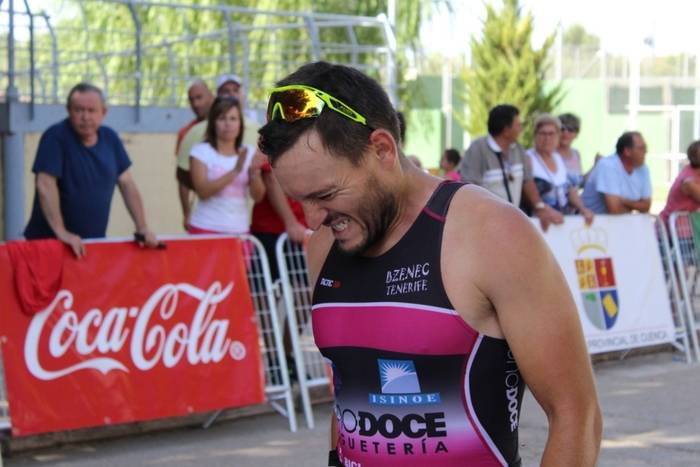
(336,194)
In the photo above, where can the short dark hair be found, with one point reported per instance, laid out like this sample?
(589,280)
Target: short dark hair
(220,106)
(501,117)
(570,121)
(84,87)
(340,135)
(402,126)
(693,154)
(626,141)
(452,156)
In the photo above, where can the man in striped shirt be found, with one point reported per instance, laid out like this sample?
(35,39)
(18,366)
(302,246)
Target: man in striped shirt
(498,163)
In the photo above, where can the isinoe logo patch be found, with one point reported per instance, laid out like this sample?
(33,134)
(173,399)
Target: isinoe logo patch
(400,386)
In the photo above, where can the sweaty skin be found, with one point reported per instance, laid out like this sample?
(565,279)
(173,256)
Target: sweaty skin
(496,269)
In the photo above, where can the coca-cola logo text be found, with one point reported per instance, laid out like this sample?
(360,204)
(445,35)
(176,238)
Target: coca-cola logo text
(101,335)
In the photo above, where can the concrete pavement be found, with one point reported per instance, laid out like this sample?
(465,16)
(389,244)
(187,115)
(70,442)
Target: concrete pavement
(650,407)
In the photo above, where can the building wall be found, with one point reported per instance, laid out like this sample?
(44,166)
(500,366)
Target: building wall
(153,165)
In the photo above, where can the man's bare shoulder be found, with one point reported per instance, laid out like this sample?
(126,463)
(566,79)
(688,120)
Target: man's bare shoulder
(481,225)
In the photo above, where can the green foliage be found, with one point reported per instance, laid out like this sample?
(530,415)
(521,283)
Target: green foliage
(507,69)
(576,35)
(95,27)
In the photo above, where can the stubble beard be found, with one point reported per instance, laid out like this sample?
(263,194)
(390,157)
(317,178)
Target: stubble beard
(380,210)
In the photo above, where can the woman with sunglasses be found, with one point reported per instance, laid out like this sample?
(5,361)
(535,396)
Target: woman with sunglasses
(223,170)
(570,126)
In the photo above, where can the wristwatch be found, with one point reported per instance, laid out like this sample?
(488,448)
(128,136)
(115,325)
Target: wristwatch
(540,205)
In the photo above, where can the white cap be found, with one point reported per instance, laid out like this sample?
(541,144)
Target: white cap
(225,78)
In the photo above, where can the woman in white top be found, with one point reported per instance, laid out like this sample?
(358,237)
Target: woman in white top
(223,170)
(549,170)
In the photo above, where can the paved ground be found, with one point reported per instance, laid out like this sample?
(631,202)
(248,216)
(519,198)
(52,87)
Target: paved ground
(650,406)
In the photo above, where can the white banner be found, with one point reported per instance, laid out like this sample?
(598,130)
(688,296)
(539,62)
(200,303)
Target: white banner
(616,277)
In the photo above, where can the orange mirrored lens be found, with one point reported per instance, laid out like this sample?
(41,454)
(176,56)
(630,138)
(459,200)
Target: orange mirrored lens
(294,104)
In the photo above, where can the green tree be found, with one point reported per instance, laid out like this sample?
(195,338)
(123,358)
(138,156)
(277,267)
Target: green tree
(507,69)
(96,27)
(576,35)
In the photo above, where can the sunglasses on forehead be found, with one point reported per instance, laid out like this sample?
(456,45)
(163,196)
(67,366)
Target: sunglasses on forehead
(297,101)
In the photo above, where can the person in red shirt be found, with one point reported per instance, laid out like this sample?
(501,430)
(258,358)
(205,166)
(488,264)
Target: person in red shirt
(685,192)
(274,215)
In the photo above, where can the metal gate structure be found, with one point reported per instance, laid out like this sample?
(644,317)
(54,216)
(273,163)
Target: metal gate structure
(681,342)
(685,253)
(311,368)
(145,68)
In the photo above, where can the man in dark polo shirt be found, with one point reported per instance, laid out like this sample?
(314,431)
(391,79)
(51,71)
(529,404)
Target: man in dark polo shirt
(78,164)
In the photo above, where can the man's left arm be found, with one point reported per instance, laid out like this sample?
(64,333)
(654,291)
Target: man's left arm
(540,322)
(134,204)
(537,316)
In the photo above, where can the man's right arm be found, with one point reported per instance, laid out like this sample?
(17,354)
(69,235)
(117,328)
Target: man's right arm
(49,201)
(316,252)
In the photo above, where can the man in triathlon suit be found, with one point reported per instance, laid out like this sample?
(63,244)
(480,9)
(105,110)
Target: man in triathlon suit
(434,302)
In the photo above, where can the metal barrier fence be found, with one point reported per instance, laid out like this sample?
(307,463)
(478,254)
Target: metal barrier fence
(311,367)
(681,342)
(686,260)
(4,406)
(278,388)
(277,385)
(118,45)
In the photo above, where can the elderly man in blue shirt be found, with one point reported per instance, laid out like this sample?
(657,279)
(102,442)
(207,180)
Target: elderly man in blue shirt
(78,164)
(620,183)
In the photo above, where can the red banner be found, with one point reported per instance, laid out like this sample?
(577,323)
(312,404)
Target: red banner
(133,334)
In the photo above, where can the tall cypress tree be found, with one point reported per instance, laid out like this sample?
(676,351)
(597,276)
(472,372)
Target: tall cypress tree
(507,69)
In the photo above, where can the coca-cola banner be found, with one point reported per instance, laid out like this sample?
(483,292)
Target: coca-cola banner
(132,334)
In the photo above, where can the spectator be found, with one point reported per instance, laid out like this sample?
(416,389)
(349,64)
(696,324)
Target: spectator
(550,172)
(685,191)
(226,85)
(222,169)
(78,164)
(200,98)
(620,183)
(499,164)
(570,126)
(275,214)
(449,162)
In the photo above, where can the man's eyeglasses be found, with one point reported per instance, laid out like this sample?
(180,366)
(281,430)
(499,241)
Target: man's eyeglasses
(570,129)
(297,101)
